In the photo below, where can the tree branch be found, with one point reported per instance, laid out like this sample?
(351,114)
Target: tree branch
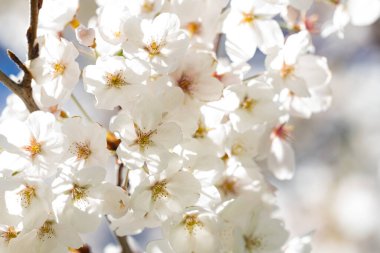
(31,34)
(124,244)
(24,89)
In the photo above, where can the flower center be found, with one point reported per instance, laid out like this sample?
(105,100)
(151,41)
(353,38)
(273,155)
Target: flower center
(46,231)
(115,80)
(286,71)
(143,139)
(237,149)
(224,158)
(81,150)
(117,34)
(228,186)
(248,104)
(79,192)
(247,17)
(283,132)
(251,243)
(9,234)
(202,130)
(194,28)
(147,7)
(153,49)
(191,223)
(159,190)
(59,69)
(34,148)
(185,84)
(27,195)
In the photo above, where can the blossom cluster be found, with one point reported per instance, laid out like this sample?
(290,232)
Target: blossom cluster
(195,140)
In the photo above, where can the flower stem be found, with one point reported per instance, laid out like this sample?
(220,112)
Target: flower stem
(80,107)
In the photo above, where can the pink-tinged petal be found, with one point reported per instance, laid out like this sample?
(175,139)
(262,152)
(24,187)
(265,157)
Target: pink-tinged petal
(281,160)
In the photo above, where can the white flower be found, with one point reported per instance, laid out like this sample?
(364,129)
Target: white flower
(38,140)
(85,36)
(159,42)
(281,159)
(115,81)
(145,8)
(249,25)
(201,19)
(145,135)
(49,237)
(87,145)
(193,231)
(195,77)
(163,194)
(114,21)
(292,68)
(29,198)
(15,109)
(251,104)
(55,72)
(56,14)
(7,235)
(242,148)
(251,228)
(80,196)
(356,12)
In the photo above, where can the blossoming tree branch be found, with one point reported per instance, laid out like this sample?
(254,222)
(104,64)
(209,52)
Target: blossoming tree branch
(193,137)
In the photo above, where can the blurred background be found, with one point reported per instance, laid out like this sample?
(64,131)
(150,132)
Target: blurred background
(336,190)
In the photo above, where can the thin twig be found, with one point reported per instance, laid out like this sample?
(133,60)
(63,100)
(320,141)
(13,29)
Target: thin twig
(19,63)
(124,244)
(80,107)
(120,174)
(252,77)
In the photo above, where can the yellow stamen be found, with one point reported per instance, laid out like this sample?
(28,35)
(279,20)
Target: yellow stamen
(251,243)
(202,130)
(9,234)
(248,104)
(115,80)
(81,150)
(78,192)
(154,49)
(247,17)
(159,190)
(46,231)
(34,148)
(27,195)
(192,223)
(58,69)
(75,23)
(237,149)
(193,28)
(143,140)
(286,71)
(228,186)
(185,84)
(147,7)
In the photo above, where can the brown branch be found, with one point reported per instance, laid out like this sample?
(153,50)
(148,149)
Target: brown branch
(120,174)
(24,88)
(31,34)
(124,244)
(19,63)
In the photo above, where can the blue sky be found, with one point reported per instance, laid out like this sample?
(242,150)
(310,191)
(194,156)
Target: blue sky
(7,66)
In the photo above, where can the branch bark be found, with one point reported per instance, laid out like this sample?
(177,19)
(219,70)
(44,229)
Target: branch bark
(24,88)
(124,244)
